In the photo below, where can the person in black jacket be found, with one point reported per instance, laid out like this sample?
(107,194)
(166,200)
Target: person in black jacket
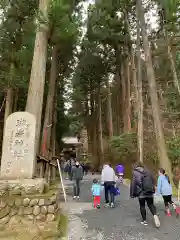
(142,187)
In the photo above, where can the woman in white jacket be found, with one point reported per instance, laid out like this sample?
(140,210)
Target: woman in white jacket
(108,179)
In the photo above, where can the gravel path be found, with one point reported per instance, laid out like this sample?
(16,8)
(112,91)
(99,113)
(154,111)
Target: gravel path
(120,223)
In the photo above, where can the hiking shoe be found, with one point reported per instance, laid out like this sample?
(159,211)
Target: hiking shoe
(156,221)
(168,214)
(144,223)
(112,205)
(106,205)
(177,210)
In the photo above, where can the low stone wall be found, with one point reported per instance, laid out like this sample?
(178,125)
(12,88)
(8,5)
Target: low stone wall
(22,187)
(30,209)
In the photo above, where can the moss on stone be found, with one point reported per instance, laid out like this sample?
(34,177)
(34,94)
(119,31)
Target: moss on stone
(62,225)
(4,212)
(29,230)
(47,195)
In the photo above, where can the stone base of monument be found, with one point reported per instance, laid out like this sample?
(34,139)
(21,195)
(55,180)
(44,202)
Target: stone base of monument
(39,209)
(29,215)
(23,186)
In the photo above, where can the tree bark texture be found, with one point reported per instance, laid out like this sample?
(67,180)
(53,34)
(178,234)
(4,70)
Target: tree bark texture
(37,79)
(47,126)
(9,103)
(163,157)
(100,130)
(127,100)
(109,111)
(15,102)
(139,98)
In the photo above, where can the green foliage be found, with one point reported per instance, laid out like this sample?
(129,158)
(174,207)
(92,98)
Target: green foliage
(105,43)
(124,147)
(63,22)
(75,126)
(170,8)
(19,20)
(63,122)
(106,22)
(173,145)
(64,31)
(16,42)
(62,225)
(173,100)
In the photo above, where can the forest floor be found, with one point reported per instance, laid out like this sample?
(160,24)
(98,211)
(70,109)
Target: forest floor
(122,222)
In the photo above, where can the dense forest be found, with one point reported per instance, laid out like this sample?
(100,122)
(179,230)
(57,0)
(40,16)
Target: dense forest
(115,65)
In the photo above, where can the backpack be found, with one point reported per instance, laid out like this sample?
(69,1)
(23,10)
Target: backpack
(147,184)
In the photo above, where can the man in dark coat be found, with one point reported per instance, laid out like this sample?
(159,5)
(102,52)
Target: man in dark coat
(137,189)
(77,176)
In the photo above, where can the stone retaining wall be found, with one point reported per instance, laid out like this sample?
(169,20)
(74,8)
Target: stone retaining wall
(32,209)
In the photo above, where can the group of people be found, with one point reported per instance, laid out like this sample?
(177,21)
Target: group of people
(142,187)
(110,180)
(67,166)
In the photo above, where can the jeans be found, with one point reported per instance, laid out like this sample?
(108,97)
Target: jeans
(76,187)
(70,175)
(150,202)
(107,189)
(66,175)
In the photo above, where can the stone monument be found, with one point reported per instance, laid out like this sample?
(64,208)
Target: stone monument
(19,156)
(18,152)
(22,197)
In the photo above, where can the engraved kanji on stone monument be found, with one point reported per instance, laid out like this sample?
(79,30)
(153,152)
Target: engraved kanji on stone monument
(18,153)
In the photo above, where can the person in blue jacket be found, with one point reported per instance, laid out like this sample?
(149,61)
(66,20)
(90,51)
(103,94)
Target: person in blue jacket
(96,192)
(164,188)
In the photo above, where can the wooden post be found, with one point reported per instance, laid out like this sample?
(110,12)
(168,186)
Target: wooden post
(41,173)
(53,173)
(53,170)
(60,174)
(46,171)
(49,173)
(47,167)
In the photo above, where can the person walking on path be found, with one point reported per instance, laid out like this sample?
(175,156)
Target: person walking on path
(165,189)
(108,179)
(142,186)
(96,192)
(77,176)
(120,172)
(66,169)
(86,168)
(70,162)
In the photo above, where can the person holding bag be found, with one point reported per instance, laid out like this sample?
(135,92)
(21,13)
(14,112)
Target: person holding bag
(108,179)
